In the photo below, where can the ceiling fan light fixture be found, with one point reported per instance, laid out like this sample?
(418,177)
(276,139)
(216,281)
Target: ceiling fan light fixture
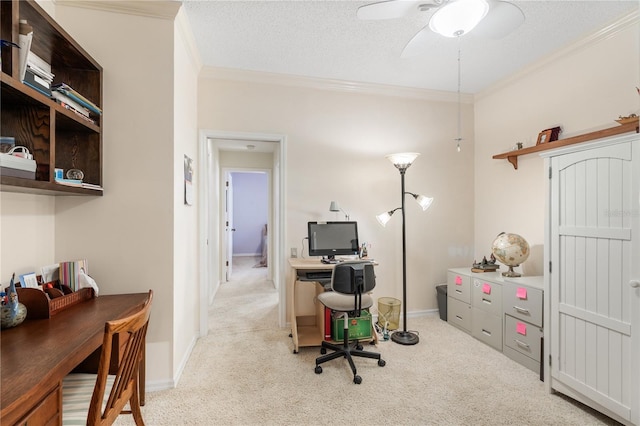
(458,17)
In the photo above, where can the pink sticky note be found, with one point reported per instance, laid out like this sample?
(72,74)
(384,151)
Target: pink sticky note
(521,293)
(486,288)
(458,280)
(521,328)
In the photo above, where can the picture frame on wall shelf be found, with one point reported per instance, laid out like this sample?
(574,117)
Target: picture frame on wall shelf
(544,136)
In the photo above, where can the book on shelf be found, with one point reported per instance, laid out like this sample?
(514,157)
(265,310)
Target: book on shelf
(37,83)
(92,186)
(69,182)
(70,92)
(69,103)
(82,116)
(25,37)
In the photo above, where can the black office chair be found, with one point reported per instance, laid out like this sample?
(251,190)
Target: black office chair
(351,282)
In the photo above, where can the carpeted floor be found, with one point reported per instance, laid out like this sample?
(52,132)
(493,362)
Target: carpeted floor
(244,373)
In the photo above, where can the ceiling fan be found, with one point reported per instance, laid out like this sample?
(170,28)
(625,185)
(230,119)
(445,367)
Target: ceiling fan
(450,18)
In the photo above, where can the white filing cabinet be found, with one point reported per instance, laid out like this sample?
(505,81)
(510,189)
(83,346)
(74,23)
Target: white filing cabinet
(502,312)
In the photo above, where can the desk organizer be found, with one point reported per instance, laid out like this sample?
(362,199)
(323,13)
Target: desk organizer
(40,306)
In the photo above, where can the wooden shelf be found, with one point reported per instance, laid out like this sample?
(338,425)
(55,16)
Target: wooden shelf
(512,156)
(57,137)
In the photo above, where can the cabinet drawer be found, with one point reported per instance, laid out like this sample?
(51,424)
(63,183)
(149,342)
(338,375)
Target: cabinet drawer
(459,286)
(459,314)
(487,328)
(487,296)
(47,411)
(523,337)
(523,302)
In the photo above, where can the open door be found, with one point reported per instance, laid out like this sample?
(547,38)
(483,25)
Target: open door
(229,229)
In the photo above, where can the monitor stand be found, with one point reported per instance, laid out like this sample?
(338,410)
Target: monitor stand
(329,260)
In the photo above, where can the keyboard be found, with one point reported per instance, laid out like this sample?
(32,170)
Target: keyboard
(316,275)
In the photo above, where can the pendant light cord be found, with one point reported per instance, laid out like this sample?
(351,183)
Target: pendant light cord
(459,138)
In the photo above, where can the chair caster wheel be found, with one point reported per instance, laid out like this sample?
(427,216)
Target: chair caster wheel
(359,347)
(357,379)
(323,351)
(295,352)
(382,362)
(318,369)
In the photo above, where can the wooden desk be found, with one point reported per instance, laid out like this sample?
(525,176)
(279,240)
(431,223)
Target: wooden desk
(308,330)
(38,354)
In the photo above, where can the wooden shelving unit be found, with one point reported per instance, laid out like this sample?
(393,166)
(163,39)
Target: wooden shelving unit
(512,156)
(57,137)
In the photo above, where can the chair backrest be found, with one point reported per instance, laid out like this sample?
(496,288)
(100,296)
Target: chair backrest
(353,277)
(125,386)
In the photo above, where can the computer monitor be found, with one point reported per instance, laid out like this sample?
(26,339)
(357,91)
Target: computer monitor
(333,239)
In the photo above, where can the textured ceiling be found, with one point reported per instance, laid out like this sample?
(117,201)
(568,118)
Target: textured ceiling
(325,39)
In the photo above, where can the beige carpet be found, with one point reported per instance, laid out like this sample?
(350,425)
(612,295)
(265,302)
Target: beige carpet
(244,373)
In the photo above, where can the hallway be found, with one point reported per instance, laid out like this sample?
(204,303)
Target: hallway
(247,302)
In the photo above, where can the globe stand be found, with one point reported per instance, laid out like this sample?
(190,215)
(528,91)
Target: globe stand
(511,273)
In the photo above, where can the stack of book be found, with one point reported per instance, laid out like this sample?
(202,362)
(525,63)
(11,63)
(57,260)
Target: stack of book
(69,272)
(38,74)
(66,96)
(35,72)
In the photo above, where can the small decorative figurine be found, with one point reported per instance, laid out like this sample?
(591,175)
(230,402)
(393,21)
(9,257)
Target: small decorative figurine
(13,312)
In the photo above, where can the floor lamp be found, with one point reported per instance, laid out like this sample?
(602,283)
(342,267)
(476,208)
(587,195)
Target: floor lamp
(402,162)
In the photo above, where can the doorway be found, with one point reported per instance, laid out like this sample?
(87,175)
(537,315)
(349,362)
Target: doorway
(213,146)
(246,223)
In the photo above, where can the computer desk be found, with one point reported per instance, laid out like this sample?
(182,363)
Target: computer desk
(308,330)
(37,354)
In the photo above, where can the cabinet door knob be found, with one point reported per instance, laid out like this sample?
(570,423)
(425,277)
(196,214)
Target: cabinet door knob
(634,283)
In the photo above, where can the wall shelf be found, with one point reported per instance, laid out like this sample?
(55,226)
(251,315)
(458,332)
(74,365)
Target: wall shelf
(512,156)
(57,137)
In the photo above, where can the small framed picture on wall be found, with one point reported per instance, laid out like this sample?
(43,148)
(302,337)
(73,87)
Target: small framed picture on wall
(188,181)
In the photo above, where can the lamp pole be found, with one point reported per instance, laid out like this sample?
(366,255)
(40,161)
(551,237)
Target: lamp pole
(404,337)
(402,161)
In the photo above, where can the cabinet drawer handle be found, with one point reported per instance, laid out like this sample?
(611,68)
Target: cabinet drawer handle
(521,310)
(521,343)
(488,333)
(458,291)
(487,301)
(459,317)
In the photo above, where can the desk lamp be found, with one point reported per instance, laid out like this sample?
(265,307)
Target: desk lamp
(402,162)
(335,207)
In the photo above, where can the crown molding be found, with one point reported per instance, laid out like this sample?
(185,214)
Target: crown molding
(184,27)
(607,32)
(163,9)
(239,75)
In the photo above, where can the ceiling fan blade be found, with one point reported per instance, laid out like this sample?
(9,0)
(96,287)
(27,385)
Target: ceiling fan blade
(419,44)
(385,9)
(503,18)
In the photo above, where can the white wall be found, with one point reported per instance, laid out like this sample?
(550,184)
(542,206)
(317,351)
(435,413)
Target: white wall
(129,234)
(186,279)
(27,233)
(336,147)
(582,88)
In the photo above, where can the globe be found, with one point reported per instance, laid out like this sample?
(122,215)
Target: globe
(510,249)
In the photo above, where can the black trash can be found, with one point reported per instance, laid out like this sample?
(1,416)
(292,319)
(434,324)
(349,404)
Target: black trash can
(442,301)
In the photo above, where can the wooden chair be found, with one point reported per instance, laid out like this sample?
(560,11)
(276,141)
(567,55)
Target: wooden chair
(98,399)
